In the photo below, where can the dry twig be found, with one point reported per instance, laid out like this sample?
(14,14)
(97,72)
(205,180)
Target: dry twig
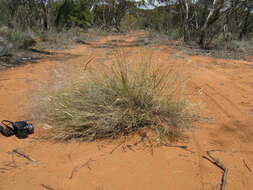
(178,146)
(87,63)
(73,171)
(246,165)
(138,142)
(47,187)
(23,155)
(219,164)
(116,147)
(86,164)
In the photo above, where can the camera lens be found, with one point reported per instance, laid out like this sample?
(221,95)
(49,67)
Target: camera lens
(30,128)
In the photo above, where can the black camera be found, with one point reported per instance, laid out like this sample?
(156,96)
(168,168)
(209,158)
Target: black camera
(21,129)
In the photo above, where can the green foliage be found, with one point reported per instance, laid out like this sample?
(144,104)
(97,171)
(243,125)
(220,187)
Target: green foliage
(109,13)
(187,19)
(20,40)
(74,13)
(175,34)
(130,22)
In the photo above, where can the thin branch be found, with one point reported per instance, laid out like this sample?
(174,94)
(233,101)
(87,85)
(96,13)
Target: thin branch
(87,63)
(86,164)
(47,187)
(116,147)
(219,164)
(23,155)
(136,143)
(246,165)
(73,171)
(178,146)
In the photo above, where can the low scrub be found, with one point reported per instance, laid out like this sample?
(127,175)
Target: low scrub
(118,99)
(18,39)
(63,39)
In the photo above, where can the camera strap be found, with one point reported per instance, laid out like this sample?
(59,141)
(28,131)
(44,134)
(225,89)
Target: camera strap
(6,131)
(7,123)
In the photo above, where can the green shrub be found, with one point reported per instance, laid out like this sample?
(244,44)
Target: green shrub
(118,99)
(19,39)
(74,14)
(129,22)
(175,34)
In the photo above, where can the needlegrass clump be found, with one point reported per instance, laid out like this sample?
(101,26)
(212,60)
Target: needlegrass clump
(119,98)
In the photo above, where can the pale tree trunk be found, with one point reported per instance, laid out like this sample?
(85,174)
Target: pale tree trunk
(213,16)
(185,6)
(186,22)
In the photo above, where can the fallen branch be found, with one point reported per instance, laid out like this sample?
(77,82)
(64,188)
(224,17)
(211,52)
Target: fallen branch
(73,171)
(41,51)
(178,146)
(246,165)
(138,142)
(116,147)
(47,187)
(23,155)
(219,164)
(86,164)
(87,63)
(82,42)
(130,148)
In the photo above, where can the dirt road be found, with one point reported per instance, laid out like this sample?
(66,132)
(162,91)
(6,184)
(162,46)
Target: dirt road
(223,88)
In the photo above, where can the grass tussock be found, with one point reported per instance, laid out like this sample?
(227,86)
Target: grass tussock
(118,99)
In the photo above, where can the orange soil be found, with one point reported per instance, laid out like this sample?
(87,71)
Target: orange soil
(224,89)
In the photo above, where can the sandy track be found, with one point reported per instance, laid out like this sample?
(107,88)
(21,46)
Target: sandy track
(224,88)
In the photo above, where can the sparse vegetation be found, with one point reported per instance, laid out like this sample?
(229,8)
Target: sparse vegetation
(18,39)
(202,22)
(122,99)
(119,99)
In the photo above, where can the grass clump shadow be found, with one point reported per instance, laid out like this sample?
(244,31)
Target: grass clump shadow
(118,99)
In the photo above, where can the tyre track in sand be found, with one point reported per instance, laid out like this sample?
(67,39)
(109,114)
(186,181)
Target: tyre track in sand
(231,126)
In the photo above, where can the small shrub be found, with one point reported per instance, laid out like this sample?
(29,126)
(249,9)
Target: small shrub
(130,23)
(4,30)
(175,34)
(54,39)
(118,99)
(20,40)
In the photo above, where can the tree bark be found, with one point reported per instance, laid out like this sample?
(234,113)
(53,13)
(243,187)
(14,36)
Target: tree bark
(212,17)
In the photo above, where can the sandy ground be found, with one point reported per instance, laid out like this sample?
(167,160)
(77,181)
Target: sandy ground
(223,88)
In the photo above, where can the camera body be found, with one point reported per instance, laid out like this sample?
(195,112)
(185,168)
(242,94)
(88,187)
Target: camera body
(21,129)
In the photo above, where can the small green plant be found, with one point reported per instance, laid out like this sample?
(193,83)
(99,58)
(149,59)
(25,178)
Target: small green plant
(175,34)
(129,23)
(20,40)
(118,99)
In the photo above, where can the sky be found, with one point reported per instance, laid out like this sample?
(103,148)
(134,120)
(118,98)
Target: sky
(154,4)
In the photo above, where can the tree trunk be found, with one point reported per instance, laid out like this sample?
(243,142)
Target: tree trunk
(245,25)
(212,17)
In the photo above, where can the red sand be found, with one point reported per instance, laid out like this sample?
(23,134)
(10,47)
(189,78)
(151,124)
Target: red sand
(224,89)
